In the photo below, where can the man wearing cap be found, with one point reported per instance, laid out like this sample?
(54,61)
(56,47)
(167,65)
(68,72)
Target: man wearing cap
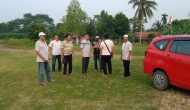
(55,46)
(41,49)
(96,47)
(85,53)
(126,55)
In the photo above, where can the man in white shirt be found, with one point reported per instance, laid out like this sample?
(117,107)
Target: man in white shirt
(126,55)
(55,46)
(85,53)
(41,49)
(107,52)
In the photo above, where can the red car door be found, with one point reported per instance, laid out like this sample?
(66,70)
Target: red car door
(179,63)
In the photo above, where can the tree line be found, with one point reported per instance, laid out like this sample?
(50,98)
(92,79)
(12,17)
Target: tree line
(76,22)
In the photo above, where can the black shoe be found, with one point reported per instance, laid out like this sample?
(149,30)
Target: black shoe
(126,75)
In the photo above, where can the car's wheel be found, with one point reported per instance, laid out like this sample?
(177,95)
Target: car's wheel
(160,80)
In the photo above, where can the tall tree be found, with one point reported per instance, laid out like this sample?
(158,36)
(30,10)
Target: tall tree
(3,27)
(59,29)
(76,19)
(22,25)
(91,29)
(136,25)
(121,24)
(104,24)
(164,19)
(35,28)
(157,26)
(181,27)
(144,10)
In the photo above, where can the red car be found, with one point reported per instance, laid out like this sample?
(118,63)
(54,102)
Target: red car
(167,60)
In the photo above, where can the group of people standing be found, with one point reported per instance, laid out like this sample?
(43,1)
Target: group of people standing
(63,53)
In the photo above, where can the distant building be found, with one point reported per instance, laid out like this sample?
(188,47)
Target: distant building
(144,35)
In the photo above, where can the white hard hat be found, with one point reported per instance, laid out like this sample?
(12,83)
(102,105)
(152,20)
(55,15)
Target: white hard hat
(41,34)
(125,36)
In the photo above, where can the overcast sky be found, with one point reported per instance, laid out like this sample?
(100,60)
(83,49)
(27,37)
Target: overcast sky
(11,9)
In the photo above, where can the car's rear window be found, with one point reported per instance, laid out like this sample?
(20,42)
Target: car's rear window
(161,44)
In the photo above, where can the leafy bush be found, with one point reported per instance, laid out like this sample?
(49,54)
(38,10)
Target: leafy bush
(150,37)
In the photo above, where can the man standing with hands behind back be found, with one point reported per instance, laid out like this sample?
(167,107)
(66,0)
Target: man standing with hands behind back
(126,55)
(41,49)
(55,46)
(85,53)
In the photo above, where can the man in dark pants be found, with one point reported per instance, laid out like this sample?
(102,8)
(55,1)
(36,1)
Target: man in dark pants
(96,47)
(85,53)
(55,47)
(67,51)
(107,51)
(126,55)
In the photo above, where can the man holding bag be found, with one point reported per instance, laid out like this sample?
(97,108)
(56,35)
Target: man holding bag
(107,52)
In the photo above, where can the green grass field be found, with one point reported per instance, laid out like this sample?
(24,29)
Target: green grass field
(19,88)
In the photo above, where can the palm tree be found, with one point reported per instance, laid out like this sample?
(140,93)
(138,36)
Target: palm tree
(144,9)
(164,19)
(157,26)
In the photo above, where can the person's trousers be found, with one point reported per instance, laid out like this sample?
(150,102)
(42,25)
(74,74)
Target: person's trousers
(97,58)
(106,60)
(85,62)
(44,66)
(126,65)
(67,61)
(54,58)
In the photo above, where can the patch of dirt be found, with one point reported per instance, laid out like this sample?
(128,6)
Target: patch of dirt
(5,48)
(24,99)
(86,104)
(174,99)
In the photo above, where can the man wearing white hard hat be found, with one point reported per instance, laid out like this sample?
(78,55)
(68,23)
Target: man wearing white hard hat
(126,55)
(41,49)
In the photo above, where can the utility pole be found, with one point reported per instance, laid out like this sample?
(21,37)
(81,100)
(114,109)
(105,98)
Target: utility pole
(140,39)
